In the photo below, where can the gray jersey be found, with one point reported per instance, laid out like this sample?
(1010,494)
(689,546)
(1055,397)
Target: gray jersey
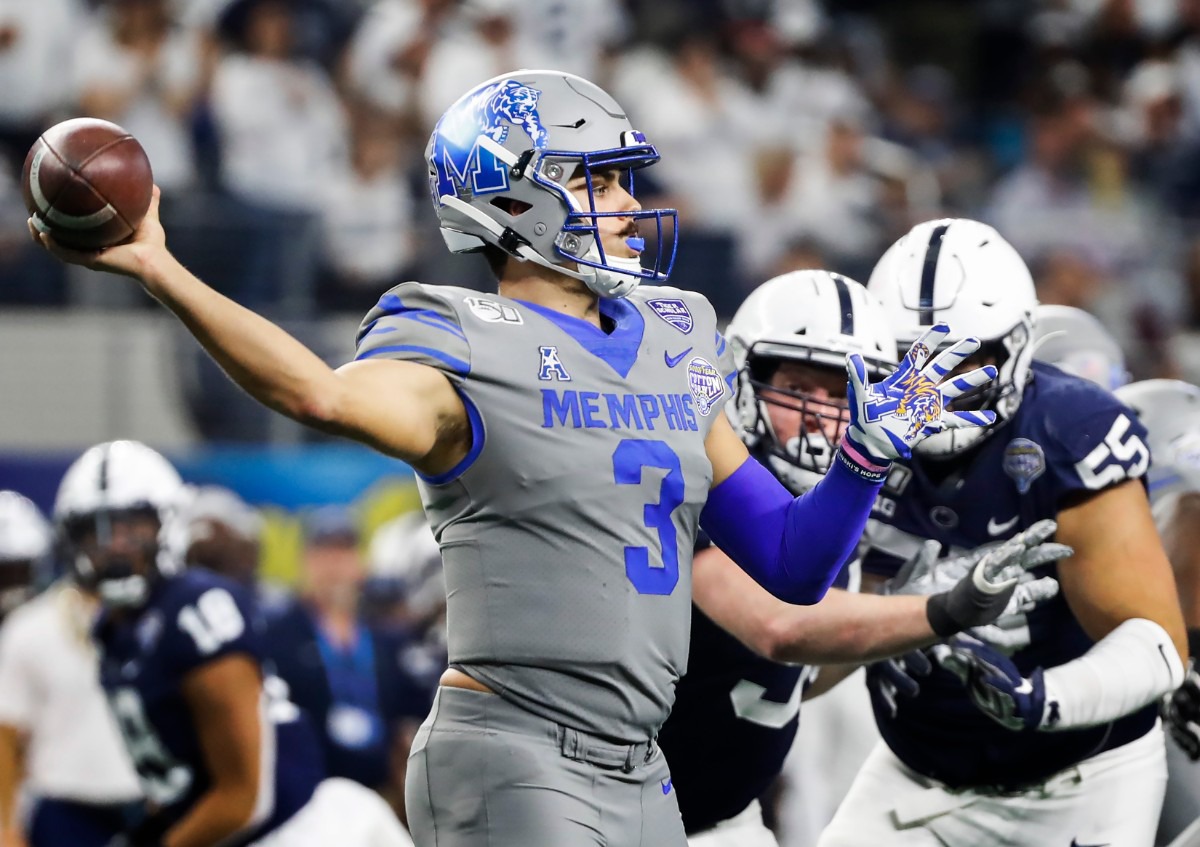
(567,531)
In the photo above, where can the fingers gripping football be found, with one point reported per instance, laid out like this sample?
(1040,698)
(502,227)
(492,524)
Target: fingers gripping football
(888,418)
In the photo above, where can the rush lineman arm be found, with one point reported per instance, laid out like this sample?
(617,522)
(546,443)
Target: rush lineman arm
(1119,571)
(402,409)
(843,627)
(225,700)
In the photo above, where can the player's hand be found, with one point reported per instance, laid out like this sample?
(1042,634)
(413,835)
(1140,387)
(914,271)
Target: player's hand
(891,416)
(1181,713)
(995,685)
(982,586)
(128,259)
(897,677)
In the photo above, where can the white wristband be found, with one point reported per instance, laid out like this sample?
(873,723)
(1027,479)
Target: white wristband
(1129,668)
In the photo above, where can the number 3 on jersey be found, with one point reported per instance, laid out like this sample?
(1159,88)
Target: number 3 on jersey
(629,459)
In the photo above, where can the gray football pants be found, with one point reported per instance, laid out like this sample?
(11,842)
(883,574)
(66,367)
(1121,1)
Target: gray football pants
(486,773)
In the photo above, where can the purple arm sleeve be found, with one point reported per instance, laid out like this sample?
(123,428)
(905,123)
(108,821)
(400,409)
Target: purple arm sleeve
(791,546)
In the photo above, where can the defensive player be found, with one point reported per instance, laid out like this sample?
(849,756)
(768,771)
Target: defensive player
(1170,411)
(737,709)
(24,545)
(222,756)
(1058,743)
(567,434)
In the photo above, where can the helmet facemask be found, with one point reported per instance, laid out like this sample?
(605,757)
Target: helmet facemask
(116,554)
(16,583)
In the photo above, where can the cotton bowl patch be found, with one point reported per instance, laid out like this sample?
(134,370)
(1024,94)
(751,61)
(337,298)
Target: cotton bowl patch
(1024,462)
(706,384)
(673,311)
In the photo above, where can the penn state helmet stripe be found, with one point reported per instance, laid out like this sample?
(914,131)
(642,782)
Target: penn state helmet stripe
(929,273)
(845,304)
(104,467)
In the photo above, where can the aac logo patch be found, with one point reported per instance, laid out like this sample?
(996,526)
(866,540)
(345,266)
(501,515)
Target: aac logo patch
(706,384)
(673,311)
(552,367)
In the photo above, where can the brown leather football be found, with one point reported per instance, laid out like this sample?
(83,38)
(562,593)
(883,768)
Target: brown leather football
(88,183)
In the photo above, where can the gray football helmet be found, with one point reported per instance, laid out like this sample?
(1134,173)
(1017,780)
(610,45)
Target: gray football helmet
(1076,342)
(521,137)
(1170,411)
(813,317)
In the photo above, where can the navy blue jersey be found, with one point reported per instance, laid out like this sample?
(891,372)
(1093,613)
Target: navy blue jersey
(356,698)
(1068,438)
(192,620)
(734,720)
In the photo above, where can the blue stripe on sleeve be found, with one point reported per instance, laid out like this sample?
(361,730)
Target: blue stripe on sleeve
(720,342)
(394,306)
(457,365)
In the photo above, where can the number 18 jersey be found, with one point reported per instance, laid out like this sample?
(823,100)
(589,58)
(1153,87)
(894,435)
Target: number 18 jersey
(567,530)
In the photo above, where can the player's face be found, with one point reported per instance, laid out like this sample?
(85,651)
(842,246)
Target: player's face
(609,193)
(15,580)
(335,573)
(119,543)
(803,398)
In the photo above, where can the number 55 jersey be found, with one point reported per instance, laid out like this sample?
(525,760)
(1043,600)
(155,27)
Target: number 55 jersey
(567,530)
(1068,439)
(190,621)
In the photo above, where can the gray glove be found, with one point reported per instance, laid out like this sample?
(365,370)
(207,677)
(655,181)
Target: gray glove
(977,588)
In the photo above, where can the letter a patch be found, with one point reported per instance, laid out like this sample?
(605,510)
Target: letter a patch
(552,368)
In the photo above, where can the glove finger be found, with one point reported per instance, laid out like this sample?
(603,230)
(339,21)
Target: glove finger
(923,347)
(954,661)
(1006,638)
(959,420)
(1044,554)
(917,663)
(856,369)
(1037,532)
(887,693)
(917,570)
(1033,593)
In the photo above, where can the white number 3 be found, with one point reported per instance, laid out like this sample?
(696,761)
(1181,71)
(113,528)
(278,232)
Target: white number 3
(1128,454)
(213,621)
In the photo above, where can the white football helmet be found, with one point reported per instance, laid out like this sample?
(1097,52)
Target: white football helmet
(25,540)
(963,273)
(521,137)
(1170,411)
(111,481)
(814,317)
(406,566)
(1076,342)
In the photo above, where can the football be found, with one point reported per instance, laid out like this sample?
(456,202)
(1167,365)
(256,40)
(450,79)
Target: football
(88,183)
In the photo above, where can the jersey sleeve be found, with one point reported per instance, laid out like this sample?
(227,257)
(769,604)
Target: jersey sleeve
(413,323)
(1097,443)
(18,679)
(208,622)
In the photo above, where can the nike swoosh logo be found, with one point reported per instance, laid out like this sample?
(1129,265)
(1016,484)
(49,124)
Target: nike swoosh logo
(994,528)
(1075,843)
(666,786)
(672,361)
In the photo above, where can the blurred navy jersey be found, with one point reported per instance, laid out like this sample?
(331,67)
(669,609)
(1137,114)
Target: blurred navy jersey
(192,620)
(355,696)
(1067,440)
(734,720)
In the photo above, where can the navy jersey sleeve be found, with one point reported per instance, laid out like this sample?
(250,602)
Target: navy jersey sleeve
(414,323)
(1098,442)
(208,621)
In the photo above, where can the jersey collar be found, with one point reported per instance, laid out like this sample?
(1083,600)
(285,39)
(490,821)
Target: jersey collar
(618,348)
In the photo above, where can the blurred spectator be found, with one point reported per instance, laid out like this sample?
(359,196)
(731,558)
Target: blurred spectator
(368,219)
(59,745)
(223,534)
(37,39)
(135,68)
(282,128)
(345,673)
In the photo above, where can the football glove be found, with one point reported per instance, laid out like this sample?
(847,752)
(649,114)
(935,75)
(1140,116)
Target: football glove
(1181,713)
(994,683)
(897,677)
(889,417)
(979,587)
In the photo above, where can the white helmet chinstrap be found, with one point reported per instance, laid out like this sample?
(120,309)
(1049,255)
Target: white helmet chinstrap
(111,482)
(814,318)
(499,162)
(963,273)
